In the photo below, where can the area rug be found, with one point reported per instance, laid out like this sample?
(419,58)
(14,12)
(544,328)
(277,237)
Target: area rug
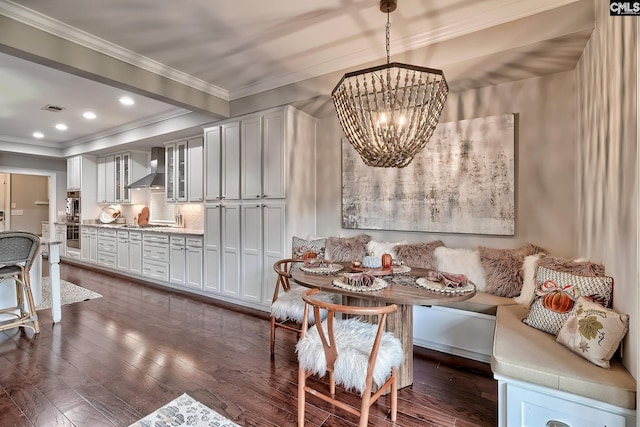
(69,293)
(184,411)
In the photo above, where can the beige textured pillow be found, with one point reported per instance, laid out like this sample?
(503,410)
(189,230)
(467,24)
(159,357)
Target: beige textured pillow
(345,249)
(419,255)
(593,332)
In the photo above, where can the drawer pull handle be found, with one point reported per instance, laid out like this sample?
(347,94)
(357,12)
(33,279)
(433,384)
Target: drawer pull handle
(554,423)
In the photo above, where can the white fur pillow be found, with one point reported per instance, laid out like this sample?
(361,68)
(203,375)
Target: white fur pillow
(528,279)
(381,248)
(461,261)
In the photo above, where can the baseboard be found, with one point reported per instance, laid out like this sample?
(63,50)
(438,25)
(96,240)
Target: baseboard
(452,350)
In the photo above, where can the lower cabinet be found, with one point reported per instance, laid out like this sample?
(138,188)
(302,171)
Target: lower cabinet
(123,251)
(107,248)
(89,244)
(222,249)
(155,256)
(186,261)
(135,252)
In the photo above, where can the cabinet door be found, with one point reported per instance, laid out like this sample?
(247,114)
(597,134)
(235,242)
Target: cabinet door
(125,178)
(181,171)
(231,249)
(230,140)
(106,179)
(212,169)
(251,158)
(274,244)
(274,154)
(212,242)
(177,264)
(194,267)
(85,245)
(73,173)
(251,289)
(135,256)
(118,187)
(195,170)
(170,174)
(123,258)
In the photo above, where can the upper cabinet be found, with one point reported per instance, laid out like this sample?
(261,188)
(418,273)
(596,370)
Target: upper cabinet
(116,172)
(74,173)
(222,162)
(184,170)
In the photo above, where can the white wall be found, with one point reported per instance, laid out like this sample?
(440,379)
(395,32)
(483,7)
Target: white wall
(607,153)
(545,163)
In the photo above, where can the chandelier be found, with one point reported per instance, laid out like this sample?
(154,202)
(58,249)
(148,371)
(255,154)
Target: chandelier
(389,112)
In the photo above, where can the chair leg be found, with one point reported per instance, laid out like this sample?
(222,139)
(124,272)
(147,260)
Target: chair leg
(273,336)
(394,395)
(32,304)
(302,378)
(364,408)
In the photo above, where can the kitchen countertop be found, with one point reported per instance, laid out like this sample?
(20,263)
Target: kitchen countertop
(160,229)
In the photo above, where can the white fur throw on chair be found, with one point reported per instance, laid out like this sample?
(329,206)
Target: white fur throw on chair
(290,306)
(354,340)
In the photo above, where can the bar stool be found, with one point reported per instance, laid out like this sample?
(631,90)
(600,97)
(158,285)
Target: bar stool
(18,250)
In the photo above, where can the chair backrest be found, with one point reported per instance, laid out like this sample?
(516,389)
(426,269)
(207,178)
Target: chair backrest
(18,247)
(328,337)
(283,270)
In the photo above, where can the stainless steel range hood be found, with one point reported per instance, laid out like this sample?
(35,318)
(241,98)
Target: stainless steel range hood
(156,178)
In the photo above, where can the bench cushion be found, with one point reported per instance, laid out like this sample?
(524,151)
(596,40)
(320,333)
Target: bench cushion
(527,354)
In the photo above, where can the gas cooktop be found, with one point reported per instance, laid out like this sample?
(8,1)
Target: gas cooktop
(146,225)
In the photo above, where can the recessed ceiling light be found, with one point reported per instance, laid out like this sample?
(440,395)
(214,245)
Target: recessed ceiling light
(61,126)
(89,115)
(38,135)
(126,100)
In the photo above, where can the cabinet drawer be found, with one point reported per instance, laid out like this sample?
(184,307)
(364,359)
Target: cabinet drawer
(155,270)
(107,233)
(194,242)
(107,260)
(88,231)
(156,238)
(177,240)
(155,251)
(134,235)
(123,235)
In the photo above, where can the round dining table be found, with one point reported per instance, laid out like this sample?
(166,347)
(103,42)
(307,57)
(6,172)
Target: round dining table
(405,296)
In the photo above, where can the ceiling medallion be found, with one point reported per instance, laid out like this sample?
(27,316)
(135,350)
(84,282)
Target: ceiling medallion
(389,112)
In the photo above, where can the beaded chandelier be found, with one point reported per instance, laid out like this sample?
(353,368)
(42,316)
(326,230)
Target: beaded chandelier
(389,112)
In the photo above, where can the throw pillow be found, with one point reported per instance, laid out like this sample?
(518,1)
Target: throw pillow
(578,266)
(345,249)
(556,294)
(461,261)
(419,255)
(380,248)
(528,279)
(593,332)
(300,246)
(503,269)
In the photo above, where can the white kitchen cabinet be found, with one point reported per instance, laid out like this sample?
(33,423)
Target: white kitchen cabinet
(177,260)
(122,257)
(155,256)
(195,169)
(61,236)
(251,157)
(135,252)
(89,244)
(107,248)
(263,243)
(185,268)
(176,171)
(74,173)
(222,162)
(106,179)
(274,155)
(222,249)
(116,172)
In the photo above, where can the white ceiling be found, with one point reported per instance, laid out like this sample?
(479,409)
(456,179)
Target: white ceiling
(234,50)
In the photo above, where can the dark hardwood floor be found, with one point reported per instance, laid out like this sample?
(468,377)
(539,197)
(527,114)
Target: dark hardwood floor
(113,360)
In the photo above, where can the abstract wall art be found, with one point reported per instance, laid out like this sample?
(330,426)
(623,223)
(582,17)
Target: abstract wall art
(462,182)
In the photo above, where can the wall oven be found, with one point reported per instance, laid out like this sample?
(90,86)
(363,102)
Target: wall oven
(73,219)
(73,235)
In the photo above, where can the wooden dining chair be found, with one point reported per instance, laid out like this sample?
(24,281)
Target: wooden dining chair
(18,250)
(287,306)
(356,355)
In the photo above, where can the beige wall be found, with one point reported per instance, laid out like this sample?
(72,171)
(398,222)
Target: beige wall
(607,167)
(545,163)
(25,191)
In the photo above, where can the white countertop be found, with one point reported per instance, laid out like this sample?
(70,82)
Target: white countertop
(161,229)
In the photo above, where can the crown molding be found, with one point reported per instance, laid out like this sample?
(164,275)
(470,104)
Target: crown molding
(52,26)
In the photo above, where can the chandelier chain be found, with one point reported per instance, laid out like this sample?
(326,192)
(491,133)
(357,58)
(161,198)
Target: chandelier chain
(388,33)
